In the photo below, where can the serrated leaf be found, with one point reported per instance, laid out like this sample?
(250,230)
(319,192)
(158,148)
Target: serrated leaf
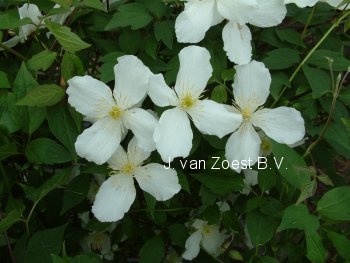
(42,96)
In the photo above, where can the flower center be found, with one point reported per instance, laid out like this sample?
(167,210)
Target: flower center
(206,230)
(246,114)
(265,145)
(115,112)
(187,101)
(128,168)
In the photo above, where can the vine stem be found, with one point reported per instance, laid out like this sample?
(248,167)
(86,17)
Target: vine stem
(14,52)
(334,26)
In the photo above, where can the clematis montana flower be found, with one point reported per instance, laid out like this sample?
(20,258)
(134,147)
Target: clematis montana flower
(284,124)
(117,193)
(304,3)
(173,135)
(209,237)
(199,15)
(112,114)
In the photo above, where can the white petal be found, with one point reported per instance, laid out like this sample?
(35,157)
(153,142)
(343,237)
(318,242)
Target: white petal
(213,118)
(250,177)
(302,3)
(114,198)
(195,71)
(239,11)
(136,154)
(100,141)
(159,182)
(336,3)
(142,124)
(90,97)
(199,224)
(11,42)
(160,93)
(212,239)
(29,11)
(192,24)
(269,13)
(237,44)
(61,18)
(283,124)
(118,159)
(173,135)
(243,145)
(252,85)
(192,245)
(131,81)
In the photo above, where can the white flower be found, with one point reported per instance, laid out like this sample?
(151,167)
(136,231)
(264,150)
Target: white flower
(250,179)
(199,15)
(111,114)
(283,124)
(209,237)
(304,3)
(118,192)
(61,18)
(173,135)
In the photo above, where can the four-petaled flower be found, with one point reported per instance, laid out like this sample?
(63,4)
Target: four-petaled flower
(112,115)
(117,193)
(173,136)
(283,124)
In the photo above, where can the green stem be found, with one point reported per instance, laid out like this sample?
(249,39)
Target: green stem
(334,26)
(308,22)
(14,52)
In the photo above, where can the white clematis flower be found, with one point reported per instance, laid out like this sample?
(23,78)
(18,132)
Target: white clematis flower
(112,114)
(250,179)
(209,237)
(283,124)
(173,135)
(118,192)
(199,15)
(304,3)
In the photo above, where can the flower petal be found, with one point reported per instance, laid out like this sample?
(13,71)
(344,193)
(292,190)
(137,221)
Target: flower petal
(250,179)
(131,81)
(98,143)
(160,93)
(269,13)
(252,84)
(173,135)
(142,124)
(239,11)
(243,144)
(195,71)
(212,239)
(11,42)
(192,24)
(237,44)
(283,124)
(159,182)
(114,198)
(29,11)
(301,3)
(90,97)
(213,118)
(118,159)
(136,154)
(192,245)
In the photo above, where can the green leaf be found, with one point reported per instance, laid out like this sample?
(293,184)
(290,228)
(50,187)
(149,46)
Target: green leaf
(4,82)
(47,151)
(64,3)
(164,31)
(10,19)
(219,94)
(68,40)
(133,14)
(42,96)
(261,228)
(341,243)
(281,58)
(152,251)
(298,216)
(316,253)
(291,36)
(335,204)
(320,81)
(293,167)
(42,60)
(8,150)
(178,234)
(71,66)
(43,244)
(96,4)
(320,58)
(12,217)
(62,125)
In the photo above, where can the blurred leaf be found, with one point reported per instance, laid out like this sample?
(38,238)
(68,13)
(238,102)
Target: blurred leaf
(4,82)
(44,95)
(152,251)
(71,66)
(12,217)
(42,60)
(261,228)
(8,150)
(219,94)
(316,253)
(341,243)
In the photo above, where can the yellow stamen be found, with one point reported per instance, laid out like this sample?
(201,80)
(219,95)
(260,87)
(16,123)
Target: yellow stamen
(206,230)
(115,112)
(265,145)
(128,168)
(188,101)
(246,114)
